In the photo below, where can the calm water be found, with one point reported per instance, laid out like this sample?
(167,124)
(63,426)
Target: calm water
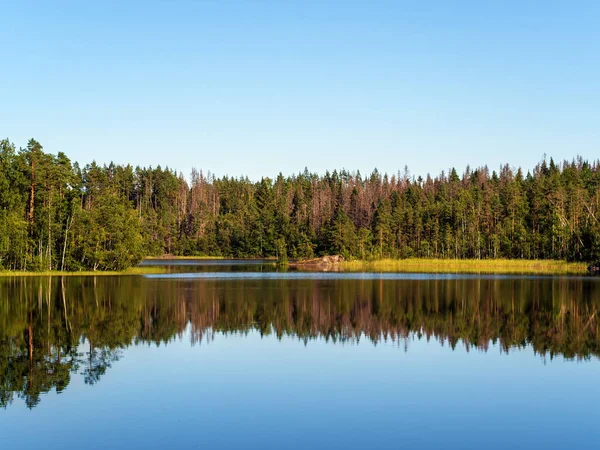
(223,355)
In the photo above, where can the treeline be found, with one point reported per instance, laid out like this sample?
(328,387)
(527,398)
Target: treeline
(55,328)
(55,214)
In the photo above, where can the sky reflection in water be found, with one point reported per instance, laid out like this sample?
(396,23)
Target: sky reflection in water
(302,363)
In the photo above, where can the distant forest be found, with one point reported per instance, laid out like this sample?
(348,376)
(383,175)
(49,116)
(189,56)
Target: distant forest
(56,215)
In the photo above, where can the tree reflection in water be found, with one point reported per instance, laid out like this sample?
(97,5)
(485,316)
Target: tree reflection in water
(54,328)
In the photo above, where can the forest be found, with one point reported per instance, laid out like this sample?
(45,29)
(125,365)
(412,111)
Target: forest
(57,215)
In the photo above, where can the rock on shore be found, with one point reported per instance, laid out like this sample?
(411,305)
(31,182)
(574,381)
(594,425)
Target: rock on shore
(322,262)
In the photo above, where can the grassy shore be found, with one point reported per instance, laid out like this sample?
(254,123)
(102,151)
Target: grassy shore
(137,270)
(491,266)
(145,270)
(414,265)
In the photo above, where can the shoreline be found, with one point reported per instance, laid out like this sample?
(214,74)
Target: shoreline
(410,265)
(182,258)
(484,266)
(136,270)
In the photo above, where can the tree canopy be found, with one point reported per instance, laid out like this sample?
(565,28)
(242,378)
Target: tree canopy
(55,214)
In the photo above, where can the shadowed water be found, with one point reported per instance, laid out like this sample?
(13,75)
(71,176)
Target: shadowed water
(229,356)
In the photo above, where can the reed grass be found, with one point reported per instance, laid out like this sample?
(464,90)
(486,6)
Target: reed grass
(138,270)
(411,265)
(490,266)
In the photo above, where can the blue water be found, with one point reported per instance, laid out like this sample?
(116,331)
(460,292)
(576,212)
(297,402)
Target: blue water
(360,276)
(308,361)
(253,392)
(200,263)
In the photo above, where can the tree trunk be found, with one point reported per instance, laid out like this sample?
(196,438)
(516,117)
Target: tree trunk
(32,194)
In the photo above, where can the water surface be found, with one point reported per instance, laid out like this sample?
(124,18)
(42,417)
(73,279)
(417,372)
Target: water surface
(218,355)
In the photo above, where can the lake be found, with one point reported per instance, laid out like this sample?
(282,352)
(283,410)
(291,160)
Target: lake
(235,354)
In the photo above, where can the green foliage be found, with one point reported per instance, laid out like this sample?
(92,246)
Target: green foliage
(108,236)
(56,216)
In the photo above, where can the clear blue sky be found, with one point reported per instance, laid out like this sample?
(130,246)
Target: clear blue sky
(259,87)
